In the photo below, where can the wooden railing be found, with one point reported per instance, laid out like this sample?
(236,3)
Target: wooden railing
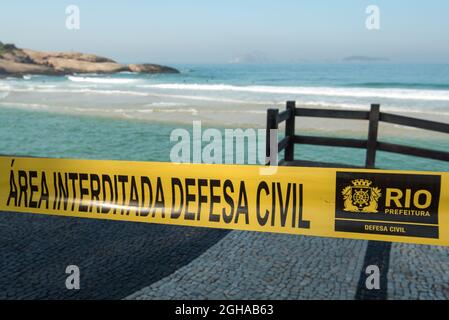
(371,144)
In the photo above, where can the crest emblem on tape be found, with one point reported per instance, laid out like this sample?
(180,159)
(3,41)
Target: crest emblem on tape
(361,196)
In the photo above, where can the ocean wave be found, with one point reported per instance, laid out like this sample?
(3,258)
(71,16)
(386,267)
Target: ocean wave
(54,89)
(128,72)
(29,106)
(101,80)
(4,86)
(162,108)
(403,85)
(166,104)
(128,112)
(184,101)
(193,111)
(212,99)
(397,94)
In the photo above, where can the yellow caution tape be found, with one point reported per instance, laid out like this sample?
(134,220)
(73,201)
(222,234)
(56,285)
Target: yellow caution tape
(400,206)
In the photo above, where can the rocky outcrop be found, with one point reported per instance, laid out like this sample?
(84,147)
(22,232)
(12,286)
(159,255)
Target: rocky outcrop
(151,68)
(18,62)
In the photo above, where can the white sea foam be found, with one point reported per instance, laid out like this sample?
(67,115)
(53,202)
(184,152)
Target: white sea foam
(101,80)
(169,110)
(166,104)
(55,89)
(128,72)
(211,99)
(4,86)
(109,92)
(399,94)
(5,89)
(28,106)
(178,97)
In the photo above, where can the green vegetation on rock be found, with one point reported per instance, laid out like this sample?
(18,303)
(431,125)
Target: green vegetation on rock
(6,47)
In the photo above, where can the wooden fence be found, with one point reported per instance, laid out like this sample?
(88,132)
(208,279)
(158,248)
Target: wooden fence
(371,144)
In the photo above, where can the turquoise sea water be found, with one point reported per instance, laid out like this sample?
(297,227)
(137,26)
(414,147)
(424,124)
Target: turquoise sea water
(399,87)
(81,137)
(129,116)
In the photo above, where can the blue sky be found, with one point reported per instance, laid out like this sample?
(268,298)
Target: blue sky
(211,31)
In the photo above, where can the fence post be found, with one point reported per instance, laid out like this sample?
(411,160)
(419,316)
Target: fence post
(372,136)
(290,131)
(272,123)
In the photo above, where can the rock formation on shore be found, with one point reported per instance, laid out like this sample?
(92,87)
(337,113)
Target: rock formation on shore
(17,62)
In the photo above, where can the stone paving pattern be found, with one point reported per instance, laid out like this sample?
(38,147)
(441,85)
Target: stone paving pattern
(115,258)
(418,272)
(118,259)
(250,265)
(246,265)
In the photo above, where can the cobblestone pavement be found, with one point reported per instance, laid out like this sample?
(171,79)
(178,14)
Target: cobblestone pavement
(418,272)
(248,265)
(115,258)
(118,258)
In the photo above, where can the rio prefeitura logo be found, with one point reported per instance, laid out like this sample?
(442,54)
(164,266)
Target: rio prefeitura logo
(389,204)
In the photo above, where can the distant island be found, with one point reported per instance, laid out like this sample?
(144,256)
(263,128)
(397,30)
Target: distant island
(365,59)
(18,62)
